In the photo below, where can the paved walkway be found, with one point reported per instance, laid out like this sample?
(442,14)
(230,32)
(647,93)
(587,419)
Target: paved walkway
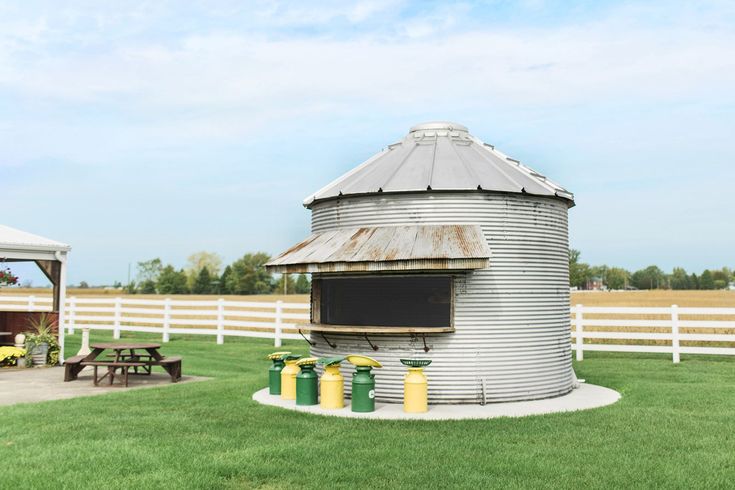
(583,398)
(43,384)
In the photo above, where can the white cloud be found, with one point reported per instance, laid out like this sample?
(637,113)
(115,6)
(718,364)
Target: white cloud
(299,13)
(606,58)
(218,85)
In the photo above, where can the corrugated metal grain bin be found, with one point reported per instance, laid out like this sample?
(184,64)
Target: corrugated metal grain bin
(441,247)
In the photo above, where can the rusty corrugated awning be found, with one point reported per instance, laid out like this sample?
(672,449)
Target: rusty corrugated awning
(387,248)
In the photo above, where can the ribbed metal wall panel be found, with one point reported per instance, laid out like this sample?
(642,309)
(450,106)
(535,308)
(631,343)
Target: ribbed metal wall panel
(512,319)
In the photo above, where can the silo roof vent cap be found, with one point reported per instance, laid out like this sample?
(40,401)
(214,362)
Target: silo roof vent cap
(438,126)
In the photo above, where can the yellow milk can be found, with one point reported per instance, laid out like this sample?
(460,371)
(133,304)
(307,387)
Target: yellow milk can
(415,386)
(332,384)
(288,378)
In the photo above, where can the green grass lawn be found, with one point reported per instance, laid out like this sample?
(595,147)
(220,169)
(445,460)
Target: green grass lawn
(674,427)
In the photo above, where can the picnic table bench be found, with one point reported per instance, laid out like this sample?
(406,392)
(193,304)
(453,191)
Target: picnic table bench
(124,367)
(123,361)
(147,360)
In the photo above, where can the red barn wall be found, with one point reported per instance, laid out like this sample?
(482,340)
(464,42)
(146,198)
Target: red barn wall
(17,322)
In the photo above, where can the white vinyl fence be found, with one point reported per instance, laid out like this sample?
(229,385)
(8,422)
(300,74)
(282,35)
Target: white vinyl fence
(662,330)
(669,330)
(221,318)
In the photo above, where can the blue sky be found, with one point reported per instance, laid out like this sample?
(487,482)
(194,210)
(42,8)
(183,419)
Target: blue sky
(140,129)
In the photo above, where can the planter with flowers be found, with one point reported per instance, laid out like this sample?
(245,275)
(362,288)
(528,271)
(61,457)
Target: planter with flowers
(41,342)
(12,356)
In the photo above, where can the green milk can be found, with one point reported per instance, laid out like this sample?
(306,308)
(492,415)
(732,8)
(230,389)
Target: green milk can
(363,383)
(307,382)
(363,389)
(274,372)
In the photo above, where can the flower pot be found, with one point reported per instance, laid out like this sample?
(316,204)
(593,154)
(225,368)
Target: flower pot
(39,354)
(21,362)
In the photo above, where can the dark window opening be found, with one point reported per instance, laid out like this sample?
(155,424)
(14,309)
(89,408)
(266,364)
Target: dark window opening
(421,301)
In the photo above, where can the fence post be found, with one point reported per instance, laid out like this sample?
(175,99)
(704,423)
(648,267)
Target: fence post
(72,315)
(580,338)
(31,303)
(117,318)
(166,319)
(221,321)
(279,324)
(675,333)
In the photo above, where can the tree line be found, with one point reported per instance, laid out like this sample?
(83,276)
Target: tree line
(585,276)
(203,274)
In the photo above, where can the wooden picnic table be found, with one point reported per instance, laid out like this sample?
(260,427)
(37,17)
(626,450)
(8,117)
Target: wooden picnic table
(120,348)
(125,357)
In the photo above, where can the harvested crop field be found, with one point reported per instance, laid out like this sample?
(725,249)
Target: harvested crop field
(703,299)
(714,299)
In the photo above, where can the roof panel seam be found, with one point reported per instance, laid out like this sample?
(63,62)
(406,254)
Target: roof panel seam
(398,167)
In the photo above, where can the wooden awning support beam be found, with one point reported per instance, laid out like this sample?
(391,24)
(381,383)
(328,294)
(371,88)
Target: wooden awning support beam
(52,270)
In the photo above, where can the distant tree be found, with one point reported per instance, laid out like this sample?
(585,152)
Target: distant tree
(285,285)
(203,282)
(721,277)
(579,272)
(83,285)
(200,260)
(147,287)
(706,281)
(117,285)
(694,281)
(248,275)
(649,278)
(679,279)
(149,270)
(223,280)
(130,288)
(302,286)
(171,281)
(617,278)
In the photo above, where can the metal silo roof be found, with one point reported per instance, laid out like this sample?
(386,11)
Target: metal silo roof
(440,156)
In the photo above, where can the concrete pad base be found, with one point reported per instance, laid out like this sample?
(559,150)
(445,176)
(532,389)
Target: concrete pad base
(43,384)
(583,398)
